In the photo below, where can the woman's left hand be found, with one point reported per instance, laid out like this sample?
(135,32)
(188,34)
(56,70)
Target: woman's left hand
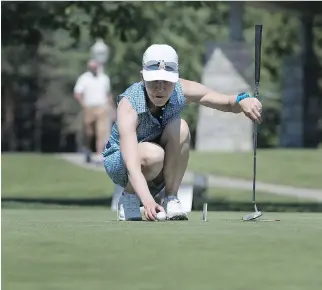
(252,108)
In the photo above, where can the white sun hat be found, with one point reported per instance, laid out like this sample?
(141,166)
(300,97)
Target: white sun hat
(160,62)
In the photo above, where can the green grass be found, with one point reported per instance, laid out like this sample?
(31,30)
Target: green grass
(39,175)
(301,168)
(87,249)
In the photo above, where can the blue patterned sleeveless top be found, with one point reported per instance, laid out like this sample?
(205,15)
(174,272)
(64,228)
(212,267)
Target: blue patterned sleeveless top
(149,127)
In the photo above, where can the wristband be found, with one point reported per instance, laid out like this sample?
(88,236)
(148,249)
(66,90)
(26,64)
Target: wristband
(242,96)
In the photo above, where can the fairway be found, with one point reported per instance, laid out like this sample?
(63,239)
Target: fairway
(75,248)
(299,168)
(44,177)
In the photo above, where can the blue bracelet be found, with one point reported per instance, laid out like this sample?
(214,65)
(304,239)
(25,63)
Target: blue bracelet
(242,96)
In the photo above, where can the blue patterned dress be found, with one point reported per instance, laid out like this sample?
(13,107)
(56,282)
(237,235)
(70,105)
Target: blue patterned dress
(149,128)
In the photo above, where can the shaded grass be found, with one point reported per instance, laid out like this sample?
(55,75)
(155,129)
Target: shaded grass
(233,195)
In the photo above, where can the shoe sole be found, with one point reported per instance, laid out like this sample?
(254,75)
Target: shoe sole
(131,220)
(178,217)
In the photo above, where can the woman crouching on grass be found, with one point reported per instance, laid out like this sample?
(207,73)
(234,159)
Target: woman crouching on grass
(148,149)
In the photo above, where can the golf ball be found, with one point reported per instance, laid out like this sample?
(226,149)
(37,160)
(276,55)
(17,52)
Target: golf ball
(161,216)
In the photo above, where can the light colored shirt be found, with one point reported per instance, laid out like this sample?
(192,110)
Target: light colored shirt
(94,89)
(150,127)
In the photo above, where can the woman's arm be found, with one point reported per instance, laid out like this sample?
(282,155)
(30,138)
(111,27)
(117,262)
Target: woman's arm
(198,93)
(127,120)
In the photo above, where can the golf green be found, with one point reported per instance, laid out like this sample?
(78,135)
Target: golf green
(77,248)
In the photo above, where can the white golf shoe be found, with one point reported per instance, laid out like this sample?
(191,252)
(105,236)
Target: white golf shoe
(129,207)
(173,208)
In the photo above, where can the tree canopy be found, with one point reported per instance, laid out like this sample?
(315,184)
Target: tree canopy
(45,45)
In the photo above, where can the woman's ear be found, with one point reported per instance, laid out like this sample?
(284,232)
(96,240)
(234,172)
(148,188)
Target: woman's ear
(141,74)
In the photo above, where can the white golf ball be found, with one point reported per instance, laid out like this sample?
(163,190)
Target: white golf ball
(161,216)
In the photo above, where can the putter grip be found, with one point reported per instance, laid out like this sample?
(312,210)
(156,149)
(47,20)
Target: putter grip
(258,45)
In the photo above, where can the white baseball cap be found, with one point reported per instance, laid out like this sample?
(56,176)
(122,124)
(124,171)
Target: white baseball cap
(160,62)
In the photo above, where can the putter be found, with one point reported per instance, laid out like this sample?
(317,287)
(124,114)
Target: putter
(258,43)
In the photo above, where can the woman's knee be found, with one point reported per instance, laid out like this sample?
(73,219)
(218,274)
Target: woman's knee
(177,129)
(152,157)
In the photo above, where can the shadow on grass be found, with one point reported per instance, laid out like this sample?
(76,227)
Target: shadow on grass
(213,204)
(99,201)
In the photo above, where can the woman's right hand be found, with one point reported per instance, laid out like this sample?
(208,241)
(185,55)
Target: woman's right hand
(127,119)
(151,208)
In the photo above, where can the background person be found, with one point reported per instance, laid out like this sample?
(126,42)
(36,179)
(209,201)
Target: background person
(93,92)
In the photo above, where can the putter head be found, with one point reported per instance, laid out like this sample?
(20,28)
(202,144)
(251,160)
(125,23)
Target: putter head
(252,216)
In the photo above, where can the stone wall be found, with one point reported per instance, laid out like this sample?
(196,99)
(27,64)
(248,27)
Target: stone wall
(226,69)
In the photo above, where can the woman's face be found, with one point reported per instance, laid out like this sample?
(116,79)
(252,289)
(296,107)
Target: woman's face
(159,92)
